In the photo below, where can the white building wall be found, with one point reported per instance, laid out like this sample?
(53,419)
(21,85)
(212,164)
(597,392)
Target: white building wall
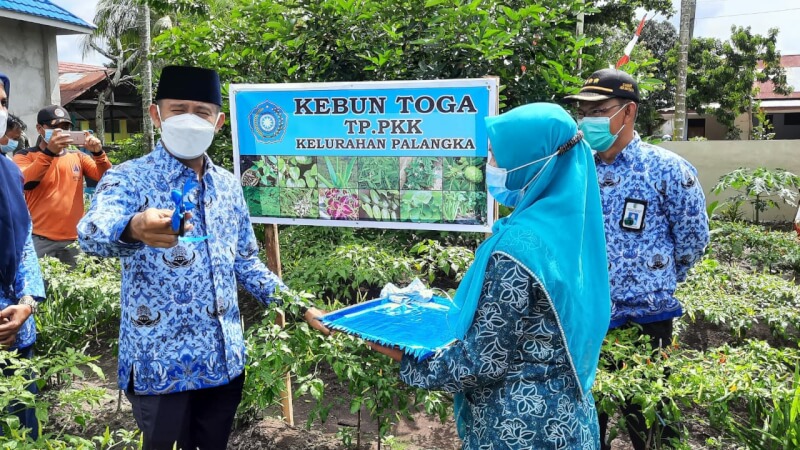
(29,56)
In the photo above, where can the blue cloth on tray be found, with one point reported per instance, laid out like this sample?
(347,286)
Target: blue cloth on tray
(418,328)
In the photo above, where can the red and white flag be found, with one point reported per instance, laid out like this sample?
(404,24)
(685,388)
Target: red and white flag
(629,48)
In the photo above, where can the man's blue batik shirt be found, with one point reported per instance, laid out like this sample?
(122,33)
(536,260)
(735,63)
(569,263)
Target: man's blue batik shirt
(180,327)
(28,282)
(656,230)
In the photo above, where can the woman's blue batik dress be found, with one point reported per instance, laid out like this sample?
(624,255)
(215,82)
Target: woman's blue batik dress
(513,367)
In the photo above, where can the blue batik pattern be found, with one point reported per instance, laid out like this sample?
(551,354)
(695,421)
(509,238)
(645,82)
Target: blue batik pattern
(180,327)
(513,367)
(645,266)
(28,282)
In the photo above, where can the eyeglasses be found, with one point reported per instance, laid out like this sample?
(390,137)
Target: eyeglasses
(182,205)
(597,112)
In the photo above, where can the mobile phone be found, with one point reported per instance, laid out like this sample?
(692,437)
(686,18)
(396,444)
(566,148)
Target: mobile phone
(78,137)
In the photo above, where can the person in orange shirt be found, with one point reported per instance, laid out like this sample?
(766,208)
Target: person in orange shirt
(53,176)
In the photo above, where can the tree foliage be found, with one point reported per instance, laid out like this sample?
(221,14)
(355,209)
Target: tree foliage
(531,47)
(725,72)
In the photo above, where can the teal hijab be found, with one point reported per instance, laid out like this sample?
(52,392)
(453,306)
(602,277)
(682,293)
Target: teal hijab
(556,232)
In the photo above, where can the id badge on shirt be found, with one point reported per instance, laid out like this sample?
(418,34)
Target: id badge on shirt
(633,215)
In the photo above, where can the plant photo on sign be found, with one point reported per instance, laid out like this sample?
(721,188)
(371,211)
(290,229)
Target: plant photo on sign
(421,173)
(260,171)
(299,203)
(337,172)
(379,205)
(379,173)
(262,201)
(338,204)
(464,207)
(421,206)
(297,172)
(464,174)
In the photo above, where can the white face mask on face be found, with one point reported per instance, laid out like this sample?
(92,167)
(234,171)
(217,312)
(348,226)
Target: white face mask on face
(3,121)
(187,136)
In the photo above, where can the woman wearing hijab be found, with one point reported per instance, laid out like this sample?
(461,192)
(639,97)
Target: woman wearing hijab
(535,303)
(21,285)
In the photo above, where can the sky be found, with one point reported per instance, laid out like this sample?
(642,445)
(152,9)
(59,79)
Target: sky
(713,18)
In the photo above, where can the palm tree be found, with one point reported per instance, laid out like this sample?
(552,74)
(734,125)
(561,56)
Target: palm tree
(123,35)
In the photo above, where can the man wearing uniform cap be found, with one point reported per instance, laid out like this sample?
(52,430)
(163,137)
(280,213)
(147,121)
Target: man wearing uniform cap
(181,346)
(655,221)
(21,285)
(53,173)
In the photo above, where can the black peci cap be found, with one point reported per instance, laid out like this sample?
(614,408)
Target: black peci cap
(189,83)
(605,84)
(53,115)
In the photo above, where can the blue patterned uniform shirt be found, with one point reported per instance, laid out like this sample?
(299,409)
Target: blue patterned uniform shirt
(656,230)
(180,327)
(27,282)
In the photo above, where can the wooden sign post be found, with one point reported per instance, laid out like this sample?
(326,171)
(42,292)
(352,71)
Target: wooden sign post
(273,250)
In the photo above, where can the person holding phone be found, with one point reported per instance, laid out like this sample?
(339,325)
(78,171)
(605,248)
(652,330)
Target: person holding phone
(53,172)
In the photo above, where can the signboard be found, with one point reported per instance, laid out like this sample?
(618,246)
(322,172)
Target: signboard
(400,154)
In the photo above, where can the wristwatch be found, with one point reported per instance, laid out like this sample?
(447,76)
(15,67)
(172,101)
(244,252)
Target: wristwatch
(28,300)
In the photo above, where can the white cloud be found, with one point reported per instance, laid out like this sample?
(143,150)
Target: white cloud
(69,47)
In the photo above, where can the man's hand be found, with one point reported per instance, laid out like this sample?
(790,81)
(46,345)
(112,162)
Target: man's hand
(153,227)
(59,141)
(11,320)
(312,316)
(92,143)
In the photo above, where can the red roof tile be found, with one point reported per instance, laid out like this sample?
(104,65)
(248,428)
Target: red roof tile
(74,79)
(792,65)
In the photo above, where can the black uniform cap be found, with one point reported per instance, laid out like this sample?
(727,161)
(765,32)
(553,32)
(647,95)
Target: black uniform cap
(605,84)
(189,83)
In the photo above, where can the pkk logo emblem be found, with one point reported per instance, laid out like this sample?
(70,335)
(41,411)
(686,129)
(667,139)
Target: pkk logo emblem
(268,123)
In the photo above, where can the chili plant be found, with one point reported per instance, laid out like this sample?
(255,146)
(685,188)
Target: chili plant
(379,173)
(421,206)
(423,173)
(299,203)
(338,172)
(297,171)
(464,174)
(379,205)
(338,204)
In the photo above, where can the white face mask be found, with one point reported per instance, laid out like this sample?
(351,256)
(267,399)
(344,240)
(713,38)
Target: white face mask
(3,121)
(187,136)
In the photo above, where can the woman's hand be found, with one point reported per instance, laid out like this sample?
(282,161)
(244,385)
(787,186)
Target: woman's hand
(394,353)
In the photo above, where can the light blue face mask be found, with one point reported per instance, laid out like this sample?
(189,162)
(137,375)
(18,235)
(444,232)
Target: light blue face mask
(8,148)
(597,131)
(48,133)
(496,182)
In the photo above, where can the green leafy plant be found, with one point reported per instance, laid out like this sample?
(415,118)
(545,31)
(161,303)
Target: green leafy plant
(444,266)
(421,206)
(464,174)
(379,205)
(297,172)
(299,203)
(464,207)
(262,201)
(422,173)
(263,172)
(338,172)
(379,173)
(760,186)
